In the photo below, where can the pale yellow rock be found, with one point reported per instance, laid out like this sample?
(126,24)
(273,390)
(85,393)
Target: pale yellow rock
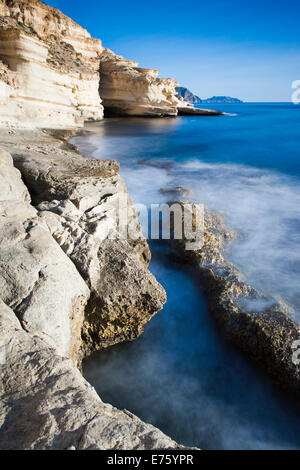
(49,74)
(127,89)
(48,21)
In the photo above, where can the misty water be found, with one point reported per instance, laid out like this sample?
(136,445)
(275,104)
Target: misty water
(180,375)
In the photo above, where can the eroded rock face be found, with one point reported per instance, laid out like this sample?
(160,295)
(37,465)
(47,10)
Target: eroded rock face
(124,294)
(47,404)
(48,22)
(129,90)
(258,325)
(50,68)
(81,199)
(37,279)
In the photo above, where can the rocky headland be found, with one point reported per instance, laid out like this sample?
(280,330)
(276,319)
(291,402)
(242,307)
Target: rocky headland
(53,74)
(129,90)
(222,100)
(187,95)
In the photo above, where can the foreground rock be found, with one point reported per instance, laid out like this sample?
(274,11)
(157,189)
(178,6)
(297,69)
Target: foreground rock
(37,279)
(45,325)
(79,201)
(124,294)
(52,168)
(258,325)
(47,404)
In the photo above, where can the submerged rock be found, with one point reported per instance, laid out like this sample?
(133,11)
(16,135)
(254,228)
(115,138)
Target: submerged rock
(177,191)
(258,325)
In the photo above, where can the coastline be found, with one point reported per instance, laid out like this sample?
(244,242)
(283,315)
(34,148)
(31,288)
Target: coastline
(71,283)
(241,327)
(82,420)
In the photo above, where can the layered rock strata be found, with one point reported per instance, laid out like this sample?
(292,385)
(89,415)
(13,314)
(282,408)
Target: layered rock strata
(50,68)
(129,90)
(49,74)
(49,23)
(258,325)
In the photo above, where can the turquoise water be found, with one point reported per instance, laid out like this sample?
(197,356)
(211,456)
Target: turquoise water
(180,375)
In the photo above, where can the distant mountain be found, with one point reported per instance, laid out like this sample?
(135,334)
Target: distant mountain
(221,99)
(187,95)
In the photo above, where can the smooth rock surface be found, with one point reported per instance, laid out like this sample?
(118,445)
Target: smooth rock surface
(12,187)
(54,169)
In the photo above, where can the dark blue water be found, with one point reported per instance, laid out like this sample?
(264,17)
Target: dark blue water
(180,375)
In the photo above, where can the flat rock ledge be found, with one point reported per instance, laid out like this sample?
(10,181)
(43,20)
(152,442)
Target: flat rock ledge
(69,284)
(260,326)
(192,111)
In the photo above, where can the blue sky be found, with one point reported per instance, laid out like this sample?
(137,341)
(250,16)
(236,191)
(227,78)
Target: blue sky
(242,48)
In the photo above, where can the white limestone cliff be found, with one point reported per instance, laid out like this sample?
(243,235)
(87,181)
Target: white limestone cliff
(49,73)
(50,68)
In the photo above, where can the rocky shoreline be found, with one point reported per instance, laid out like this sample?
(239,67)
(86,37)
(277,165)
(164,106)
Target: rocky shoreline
(66,290)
